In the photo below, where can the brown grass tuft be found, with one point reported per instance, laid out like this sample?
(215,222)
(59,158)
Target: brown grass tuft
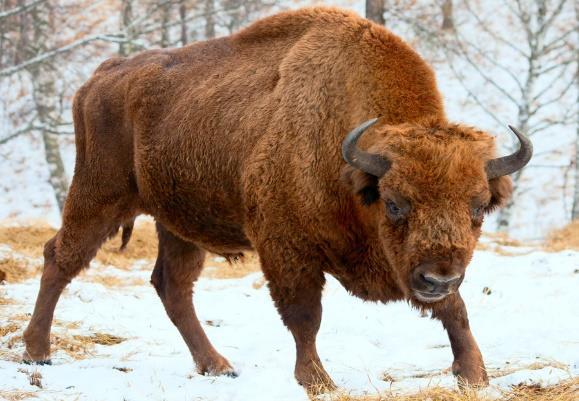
(499,244)
(101,339)
(81,347)
(16,395)
(16,270)
(143,245)
(564,238)
(8,329)
(503,239)
(5,300)
(112,281)
(217,267)
(564,391)
(30,241)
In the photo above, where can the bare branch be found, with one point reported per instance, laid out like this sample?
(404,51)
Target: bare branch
(549,21)
(21,131)
(556,43)
(473,95)
(482,74)
(64,49)
(20,9)
(499,38)
(548,87)
(494,61)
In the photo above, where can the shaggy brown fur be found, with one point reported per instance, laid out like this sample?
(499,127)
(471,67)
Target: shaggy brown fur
(234,144)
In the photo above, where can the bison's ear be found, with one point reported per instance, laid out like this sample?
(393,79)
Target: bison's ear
(501,190)
(363,184)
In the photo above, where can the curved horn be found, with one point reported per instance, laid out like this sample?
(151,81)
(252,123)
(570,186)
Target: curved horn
(509,164)
(373,164)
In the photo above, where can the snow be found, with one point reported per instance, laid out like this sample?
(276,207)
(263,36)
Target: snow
(526,328)
(526,321)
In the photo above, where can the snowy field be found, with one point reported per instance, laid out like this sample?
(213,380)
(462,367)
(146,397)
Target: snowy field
(522,304)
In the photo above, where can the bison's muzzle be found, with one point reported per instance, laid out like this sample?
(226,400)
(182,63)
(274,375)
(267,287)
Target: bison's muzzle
(429,286)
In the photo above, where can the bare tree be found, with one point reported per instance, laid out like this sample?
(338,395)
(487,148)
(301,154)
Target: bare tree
(126,27)
(575,209)
(527,70)
(447,15)
(209,19)
(375,11)
(165,10)
(183,21)
(36,59)
(544,55)
(44,77)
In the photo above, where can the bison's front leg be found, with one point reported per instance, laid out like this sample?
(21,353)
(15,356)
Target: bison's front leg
(297,295)
(468,363)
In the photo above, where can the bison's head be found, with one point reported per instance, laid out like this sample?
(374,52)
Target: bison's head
(426,188)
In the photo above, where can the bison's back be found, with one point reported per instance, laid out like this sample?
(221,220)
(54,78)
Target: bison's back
(219,128)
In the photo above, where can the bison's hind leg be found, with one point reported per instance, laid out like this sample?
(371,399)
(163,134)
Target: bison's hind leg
(179,264)
(87,222)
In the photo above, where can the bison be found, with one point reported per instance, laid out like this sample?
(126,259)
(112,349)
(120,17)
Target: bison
(254,141)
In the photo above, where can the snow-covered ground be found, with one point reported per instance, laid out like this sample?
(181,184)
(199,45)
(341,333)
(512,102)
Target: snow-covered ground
(525,321)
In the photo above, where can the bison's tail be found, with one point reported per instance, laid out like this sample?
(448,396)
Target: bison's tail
(127,232)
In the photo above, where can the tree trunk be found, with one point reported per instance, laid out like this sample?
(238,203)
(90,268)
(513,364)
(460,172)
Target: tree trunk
(183,21)
(575,210)
(447,16)
(506,214)
(165,19)
(125,25)
(3,29)
(209,20)
(22,47)
(44,76)
(535,40)
(375,11)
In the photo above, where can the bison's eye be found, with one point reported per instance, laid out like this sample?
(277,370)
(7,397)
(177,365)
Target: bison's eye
(393,208)
(477,212)
(395,212)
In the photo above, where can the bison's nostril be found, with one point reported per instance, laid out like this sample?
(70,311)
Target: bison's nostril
(436,279)
(428,278)
(427,282)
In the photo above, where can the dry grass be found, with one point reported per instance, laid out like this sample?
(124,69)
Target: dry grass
(8,329)
(76,346)
(109,280)
(16,395)
(494,373)
(19,269)
(30,240)
(564,391)
(5,300)
(500,244)
(100,338)
(218,267)
(564,238)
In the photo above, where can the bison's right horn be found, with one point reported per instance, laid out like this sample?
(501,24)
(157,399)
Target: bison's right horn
(509,164)
(370,163)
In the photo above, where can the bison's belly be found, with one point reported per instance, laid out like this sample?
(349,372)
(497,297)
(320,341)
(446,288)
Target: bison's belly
(193,198)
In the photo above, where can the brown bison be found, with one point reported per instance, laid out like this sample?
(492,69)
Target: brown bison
(239,143)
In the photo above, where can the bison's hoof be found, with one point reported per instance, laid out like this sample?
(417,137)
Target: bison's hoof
(30,357)
(218,366)
(315,381)
(469,373)
(32,361)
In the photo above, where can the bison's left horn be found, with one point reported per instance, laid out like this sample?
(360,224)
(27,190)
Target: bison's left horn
(509,164)
(370,163)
